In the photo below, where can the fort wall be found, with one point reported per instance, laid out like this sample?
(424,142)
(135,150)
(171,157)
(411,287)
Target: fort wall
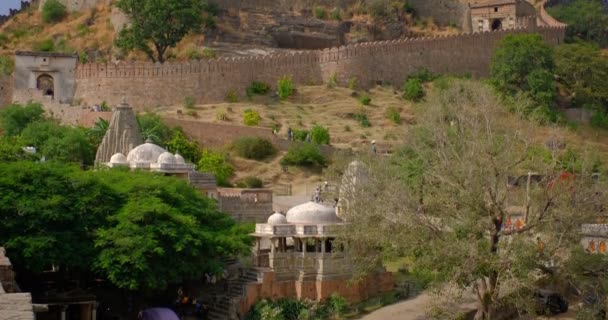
(147,84)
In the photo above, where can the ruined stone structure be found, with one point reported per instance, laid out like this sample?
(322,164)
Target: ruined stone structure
(13,305)
(490,15)
(122,135)
(45,73)
(302,261)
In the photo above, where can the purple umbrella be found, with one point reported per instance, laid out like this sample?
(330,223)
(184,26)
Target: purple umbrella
(158,314)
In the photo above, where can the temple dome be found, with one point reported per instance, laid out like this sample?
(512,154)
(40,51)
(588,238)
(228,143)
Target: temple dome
(312,213)
(166,158)
(277,218)
(145,153)
(179,159)
(118,158)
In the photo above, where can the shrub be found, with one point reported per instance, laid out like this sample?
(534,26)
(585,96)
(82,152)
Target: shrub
(7,65)
(352,83)
(365,99)
(336,305)
(46,45)
(189,102)
(336,14)
(600,120)
(300,135)
(231,96)
(363,120)
(285,87)
(216,163)
(251,117)
(15,118)
(83,57)
(424,75)
(319,13)
(333,81)
(252,183)
(257,87)
(209,53)
(393,114)
(221,115)
(319,135)
(254,148)
(181,144)
(409,8)
(53,11)
(412,90)
(305,155)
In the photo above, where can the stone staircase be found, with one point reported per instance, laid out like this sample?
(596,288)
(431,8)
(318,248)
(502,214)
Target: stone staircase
(221,308)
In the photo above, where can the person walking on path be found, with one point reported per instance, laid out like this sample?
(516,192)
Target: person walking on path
(289,134)
(373,146)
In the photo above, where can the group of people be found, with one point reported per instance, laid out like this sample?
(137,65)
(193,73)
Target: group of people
(290,136)
(319,190)
(184,305)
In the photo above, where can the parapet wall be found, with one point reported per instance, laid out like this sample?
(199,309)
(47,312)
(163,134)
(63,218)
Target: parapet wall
(146,84)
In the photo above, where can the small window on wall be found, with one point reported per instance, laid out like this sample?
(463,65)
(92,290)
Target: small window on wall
(495,9)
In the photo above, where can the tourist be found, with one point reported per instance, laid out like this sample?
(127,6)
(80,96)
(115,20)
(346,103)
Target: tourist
(318,194)
(289,134)
(308,137)
(374,146)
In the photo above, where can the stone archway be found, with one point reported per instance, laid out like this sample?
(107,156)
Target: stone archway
(46,84)
(496,24)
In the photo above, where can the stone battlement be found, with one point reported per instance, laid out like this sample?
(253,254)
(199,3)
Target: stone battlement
(208,81)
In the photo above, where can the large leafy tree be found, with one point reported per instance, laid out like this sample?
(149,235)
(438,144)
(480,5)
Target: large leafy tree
(452,212)
(157,25)
(140,230)
(14,118)
(586,19)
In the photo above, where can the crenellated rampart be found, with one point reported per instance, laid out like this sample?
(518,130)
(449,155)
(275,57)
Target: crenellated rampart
(208,81)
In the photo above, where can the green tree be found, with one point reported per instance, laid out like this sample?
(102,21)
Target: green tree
(524,63)
(152,127)
(189,149)
(60,143)
(53,11)
(586,19)
(10,149)
(14,118)
(305,155)
(319,135)
(412,90)
(254,148)
(157,25)
(98,131)
(583,70)
(216,163)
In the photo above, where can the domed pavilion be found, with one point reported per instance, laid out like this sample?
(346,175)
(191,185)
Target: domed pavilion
(149,156)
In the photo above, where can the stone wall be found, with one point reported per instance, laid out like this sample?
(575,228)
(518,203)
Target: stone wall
(146,84)
(6,90)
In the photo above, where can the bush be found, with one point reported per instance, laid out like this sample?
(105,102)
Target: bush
(53,11)
(363,120)
(221,115)
(352,83)
(254,148)
(320,13)
(7,64)
(181,144)
(257,87)
(252,183)
(15,118)
(412,90)
(336,14)
(319,135)
(423,75)
(393,114)
(285,87)
(46,45)
(300,135)
(231,96)
(251,117)
(305,155)
(365,99)
(600,120)
(333,81)
(216,163)
(189,102)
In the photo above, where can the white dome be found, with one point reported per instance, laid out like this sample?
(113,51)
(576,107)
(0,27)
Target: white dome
(277,218)
(179,159)
(166,158)
(118,158)
(145,153)
(312,213)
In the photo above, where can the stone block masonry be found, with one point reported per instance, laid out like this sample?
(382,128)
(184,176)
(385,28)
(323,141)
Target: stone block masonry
(150,85)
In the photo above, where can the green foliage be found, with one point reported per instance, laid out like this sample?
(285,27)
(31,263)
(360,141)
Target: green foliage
(7,64)
(424,75)
(600,120)
(158,25)
(319,135)
(46,45)
(254,148)
(53,11)
(586,19)
(189,102)
(292,309)
(83,57)
(305,155)
(216,163)
(393,115)
(413,90)
(257,87)
(4,40)
(378,8)
(300,135)
(195,54)
(152,127)
(285,87)
(352,83)
(362,119)
(60,143)
(15,118)
(319,12)
(409,8)
(187,148)
(221,115)
(333,81)
(252,183)
(251,117)
(365,99)
(336,305)
(232,96)
(336,14)
(98,131)
(582,69)
(82,29)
